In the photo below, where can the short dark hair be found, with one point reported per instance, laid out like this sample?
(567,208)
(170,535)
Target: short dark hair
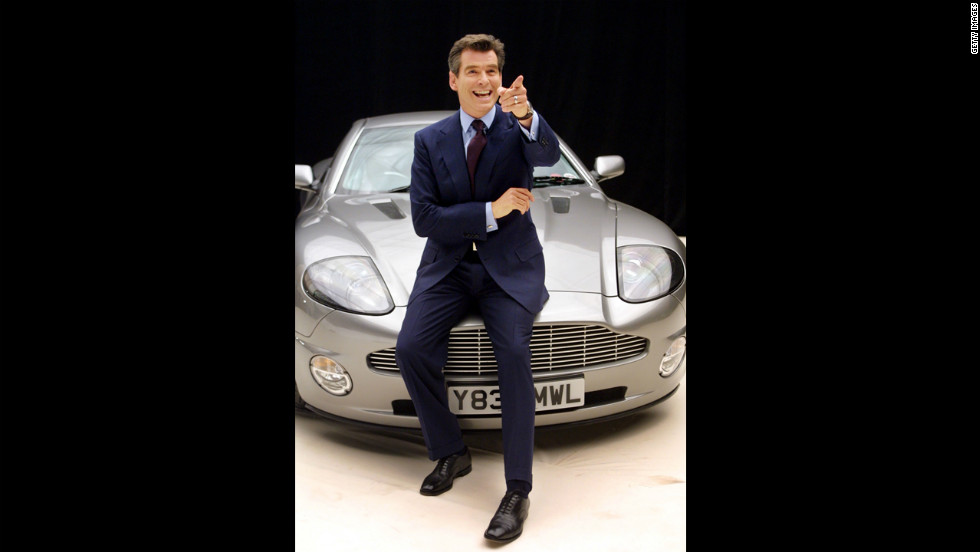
(479,43)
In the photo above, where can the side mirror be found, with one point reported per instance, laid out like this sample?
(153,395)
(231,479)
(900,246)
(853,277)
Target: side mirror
(321,167)
(608,166)
(304,178)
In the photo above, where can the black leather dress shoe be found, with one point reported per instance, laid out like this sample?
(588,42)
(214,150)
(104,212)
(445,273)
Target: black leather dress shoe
(447,469)
(508,523)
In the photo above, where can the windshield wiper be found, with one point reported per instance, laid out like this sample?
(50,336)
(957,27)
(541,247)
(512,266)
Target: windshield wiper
(399,190)
(554,180)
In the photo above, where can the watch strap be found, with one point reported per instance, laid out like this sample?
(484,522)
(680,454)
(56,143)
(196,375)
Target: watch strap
(530,112)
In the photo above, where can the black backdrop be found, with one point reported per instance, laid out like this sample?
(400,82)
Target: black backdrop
(608,75)
(142,164)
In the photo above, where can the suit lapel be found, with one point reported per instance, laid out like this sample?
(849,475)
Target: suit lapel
(451,146)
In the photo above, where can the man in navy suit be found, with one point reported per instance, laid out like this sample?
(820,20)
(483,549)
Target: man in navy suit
(470,194)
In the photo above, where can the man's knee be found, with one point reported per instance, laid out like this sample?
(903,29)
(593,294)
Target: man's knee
(406,349)
(411,352)
(513,346)
(512,353)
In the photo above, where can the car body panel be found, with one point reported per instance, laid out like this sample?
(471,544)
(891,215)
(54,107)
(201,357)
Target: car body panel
(579,228)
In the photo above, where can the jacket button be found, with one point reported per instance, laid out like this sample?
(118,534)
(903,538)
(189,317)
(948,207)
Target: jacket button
(456,259)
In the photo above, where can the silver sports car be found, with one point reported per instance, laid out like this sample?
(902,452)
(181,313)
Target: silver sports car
(611,339)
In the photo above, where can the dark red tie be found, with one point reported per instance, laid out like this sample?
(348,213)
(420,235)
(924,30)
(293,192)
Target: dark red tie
(473,152)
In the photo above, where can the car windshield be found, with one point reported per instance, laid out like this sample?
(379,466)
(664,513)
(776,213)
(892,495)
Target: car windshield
(381,161)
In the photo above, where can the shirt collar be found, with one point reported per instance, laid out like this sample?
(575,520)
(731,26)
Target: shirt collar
(466,120)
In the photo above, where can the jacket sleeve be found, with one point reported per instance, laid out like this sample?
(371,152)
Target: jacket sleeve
(451,225)
(543,151)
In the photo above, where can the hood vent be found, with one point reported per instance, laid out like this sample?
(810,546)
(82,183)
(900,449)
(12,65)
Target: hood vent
(560,205)
(389,209)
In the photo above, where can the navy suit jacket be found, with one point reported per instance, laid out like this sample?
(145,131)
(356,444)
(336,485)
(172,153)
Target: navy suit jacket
(446,212)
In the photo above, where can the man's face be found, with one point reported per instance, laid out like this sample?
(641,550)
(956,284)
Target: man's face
(477,82)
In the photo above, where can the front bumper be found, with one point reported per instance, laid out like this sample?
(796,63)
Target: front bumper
(612,389)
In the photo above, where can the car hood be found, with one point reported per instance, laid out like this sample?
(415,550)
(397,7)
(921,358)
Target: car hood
(575,224)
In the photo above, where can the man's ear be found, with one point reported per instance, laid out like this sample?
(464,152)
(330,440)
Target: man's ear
(452,81)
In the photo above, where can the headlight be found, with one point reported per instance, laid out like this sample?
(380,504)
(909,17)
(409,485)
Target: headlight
(647,272)
(351,284)
(330,376)
(673,357)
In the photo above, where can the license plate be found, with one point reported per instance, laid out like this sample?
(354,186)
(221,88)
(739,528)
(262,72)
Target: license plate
(555,394)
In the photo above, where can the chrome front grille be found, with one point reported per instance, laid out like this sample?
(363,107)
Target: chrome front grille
(553,347)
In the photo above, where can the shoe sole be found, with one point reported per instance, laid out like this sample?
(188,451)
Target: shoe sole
(465,471)
(491,539)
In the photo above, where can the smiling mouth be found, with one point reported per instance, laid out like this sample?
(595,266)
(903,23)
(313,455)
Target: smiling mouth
(486,94)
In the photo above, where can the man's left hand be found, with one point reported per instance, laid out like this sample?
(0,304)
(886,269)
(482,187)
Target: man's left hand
(514,99)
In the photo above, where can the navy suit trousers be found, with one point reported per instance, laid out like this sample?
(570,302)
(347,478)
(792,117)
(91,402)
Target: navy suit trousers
(422,349)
